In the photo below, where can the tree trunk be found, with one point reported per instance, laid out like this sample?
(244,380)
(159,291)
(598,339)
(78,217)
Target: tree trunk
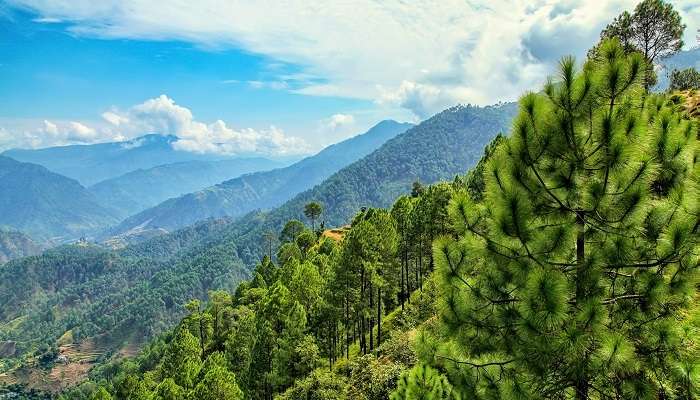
(401,293)
(581,292)
(347,327)
(371,318)
(379,316)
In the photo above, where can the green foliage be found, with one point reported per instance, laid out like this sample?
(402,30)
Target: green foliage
(654,29)
(129,294)
(218,383)
(102,394)
(373,379)
(423,382)
(312,211)
(182,360)
(686,79)
(167,390)
(291,230)
(569,279)
(319,385)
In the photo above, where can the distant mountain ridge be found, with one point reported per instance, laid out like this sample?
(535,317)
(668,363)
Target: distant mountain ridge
(138,190)
(93,163)
(47,205)
(262,190)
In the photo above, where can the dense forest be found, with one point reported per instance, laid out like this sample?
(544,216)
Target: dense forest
(321,311)
(75,292)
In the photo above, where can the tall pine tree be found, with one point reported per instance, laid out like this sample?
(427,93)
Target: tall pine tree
(567,282)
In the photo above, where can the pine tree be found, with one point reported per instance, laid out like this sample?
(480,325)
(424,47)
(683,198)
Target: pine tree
(182,359)
(423,383)
(568,280)
(101,394)
(312,211)
(218,382)
(169,390)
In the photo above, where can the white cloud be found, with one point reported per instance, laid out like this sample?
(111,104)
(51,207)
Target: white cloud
(159,115)
(338,120)
(421,55)
(337,127)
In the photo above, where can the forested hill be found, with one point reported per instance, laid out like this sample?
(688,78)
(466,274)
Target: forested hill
(46,205)
(77,293)
(138,190)
(262,190)
(446,145)
(15,244)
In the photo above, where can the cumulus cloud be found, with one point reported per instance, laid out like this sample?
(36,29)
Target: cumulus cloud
(159,115)
(337,120)
(420,55)
(336,127)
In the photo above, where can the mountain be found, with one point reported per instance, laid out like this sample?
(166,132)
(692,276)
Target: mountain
(85,294)
(90,164)
(262,190)
(15,244)
(440,148)
(46,205)
(143,188)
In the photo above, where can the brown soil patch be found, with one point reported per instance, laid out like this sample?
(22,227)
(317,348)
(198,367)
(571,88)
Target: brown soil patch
(336,234)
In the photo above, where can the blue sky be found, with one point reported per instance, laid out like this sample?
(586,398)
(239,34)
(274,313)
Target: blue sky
(275,79)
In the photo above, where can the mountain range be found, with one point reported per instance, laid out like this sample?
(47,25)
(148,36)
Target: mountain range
(441,147)
(261,190)
(90,164)
(138,190)
(48,206)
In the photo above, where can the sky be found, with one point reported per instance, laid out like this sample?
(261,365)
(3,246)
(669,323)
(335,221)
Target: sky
(274,78)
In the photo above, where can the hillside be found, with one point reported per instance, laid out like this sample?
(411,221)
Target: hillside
(145,286)
(465,289)
(262,190)
(15,244)
(138,190)
(302,328)
(46,205)
(90,164)
(110,297)
(440,148)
